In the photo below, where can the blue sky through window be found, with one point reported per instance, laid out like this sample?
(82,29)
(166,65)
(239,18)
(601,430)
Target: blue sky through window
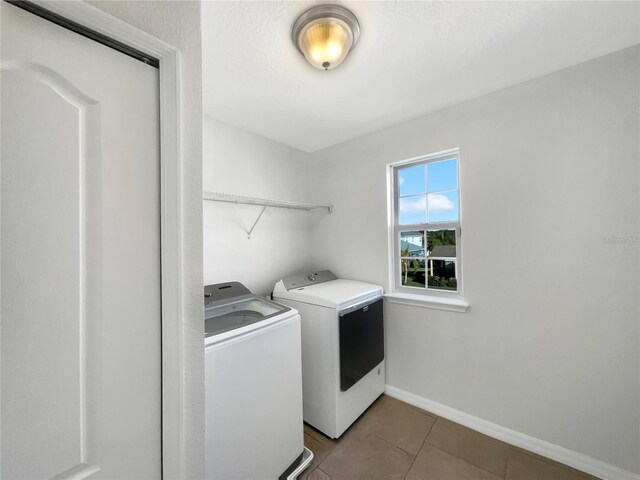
(443,207)
(413,210)
(440,177)
(411,180)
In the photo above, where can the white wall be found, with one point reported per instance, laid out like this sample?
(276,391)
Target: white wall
(242,163)
(549,170)
(178,23)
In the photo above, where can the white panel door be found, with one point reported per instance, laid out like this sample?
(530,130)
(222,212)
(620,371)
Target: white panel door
(80,257)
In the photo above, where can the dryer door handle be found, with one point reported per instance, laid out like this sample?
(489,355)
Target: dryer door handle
(359,305)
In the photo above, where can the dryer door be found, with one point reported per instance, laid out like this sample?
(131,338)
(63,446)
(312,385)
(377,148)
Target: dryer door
(361,343)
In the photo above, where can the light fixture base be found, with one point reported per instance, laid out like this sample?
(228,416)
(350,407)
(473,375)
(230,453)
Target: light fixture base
(337,13)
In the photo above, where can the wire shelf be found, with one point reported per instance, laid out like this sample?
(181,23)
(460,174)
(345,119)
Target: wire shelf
(262,202)
(243,200)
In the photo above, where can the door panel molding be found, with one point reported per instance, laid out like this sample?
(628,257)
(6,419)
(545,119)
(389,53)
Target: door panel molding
(86,174)
(79,472)
(34,71)
(175,388)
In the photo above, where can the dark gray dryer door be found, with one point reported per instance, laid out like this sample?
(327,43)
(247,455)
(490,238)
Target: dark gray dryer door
(361,343)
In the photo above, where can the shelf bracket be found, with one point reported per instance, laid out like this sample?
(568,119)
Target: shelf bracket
(256,222)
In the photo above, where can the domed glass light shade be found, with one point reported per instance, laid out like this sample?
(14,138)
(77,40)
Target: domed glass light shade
(325,34)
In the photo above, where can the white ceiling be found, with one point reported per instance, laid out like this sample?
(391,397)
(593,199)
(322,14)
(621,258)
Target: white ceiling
(412,58)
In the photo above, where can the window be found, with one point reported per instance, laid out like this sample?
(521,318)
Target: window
(425,196)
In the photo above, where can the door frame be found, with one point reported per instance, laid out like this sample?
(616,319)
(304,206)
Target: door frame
(174,379)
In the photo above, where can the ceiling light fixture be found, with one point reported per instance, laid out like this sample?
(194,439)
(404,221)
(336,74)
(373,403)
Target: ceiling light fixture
(324,34)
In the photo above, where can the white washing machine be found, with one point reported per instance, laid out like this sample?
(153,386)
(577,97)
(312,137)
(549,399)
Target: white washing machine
(253,413)
(342,346)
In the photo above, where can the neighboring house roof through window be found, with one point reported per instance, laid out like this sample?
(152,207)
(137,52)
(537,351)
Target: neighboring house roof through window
(443,251)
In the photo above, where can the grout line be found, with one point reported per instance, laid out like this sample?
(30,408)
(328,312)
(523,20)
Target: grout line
(430,429)
(545,451)
(415,457)
(329,453)
(399,448)
(422,445)
(392,444)
(467,462)
(320,470)
(549,461)
(323,460)
(506,470)
(321,437)
(419,410)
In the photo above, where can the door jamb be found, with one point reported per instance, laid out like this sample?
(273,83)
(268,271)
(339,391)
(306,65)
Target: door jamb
(171,218)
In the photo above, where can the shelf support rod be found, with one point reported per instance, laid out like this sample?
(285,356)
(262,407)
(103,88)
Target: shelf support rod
(257,219)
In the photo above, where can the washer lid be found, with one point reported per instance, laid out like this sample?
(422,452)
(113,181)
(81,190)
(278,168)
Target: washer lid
(231,305)
(239,312)
(333,294)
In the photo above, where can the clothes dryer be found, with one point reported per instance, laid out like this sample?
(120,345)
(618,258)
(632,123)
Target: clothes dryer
(342,346)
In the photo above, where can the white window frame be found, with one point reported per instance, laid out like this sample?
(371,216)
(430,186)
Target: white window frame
(427,297)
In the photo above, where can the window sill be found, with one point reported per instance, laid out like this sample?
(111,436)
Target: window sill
(453,304)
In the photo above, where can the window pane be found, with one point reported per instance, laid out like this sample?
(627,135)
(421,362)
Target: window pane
(442,274)
(442,176)
(412,244)
(443,207)
(412,210)
(442,243)
(412,270)
(441,271)
(411,180)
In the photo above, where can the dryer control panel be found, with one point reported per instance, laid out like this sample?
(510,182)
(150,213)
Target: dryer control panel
(299,280)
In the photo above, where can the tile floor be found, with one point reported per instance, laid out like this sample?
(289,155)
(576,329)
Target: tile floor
(394,440)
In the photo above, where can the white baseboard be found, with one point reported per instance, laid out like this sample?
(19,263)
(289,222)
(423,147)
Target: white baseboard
(554,452)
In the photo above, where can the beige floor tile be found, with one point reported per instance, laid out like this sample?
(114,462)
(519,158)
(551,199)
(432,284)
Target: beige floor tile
(312,432)
(309,430)
(321,445)
(366,457)
(318,474)
(397,423)
(552,462)
(480,450)
(435,464)
(376,447)
(421,410)
(320,451)
(525,466)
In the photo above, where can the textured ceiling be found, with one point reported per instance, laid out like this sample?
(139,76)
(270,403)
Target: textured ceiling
(412,58)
